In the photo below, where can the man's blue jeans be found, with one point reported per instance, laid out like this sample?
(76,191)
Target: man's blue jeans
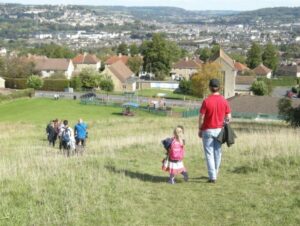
(213,152)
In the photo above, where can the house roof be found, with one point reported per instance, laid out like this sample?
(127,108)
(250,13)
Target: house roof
(51,64)
(114,59)
(244,80)
(221,54)
(261,70)
(188,64)
(121,71)
(289,68)
(85,59)
(257,104)
(240,67)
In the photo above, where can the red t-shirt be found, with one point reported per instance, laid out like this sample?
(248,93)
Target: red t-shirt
(214,108)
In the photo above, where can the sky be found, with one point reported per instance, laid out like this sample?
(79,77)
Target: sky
(241,5)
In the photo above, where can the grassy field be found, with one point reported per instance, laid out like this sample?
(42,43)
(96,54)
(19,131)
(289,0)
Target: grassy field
(119,182)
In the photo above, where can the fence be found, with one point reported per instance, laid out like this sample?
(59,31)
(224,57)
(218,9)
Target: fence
(239,115)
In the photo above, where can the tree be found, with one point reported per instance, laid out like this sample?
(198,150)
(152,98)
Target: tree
(270,56)
(122,49)
(135,64)
(76,83)
(134,50)
(291,115)
(205,54)
(254,56)
(89,78)
(35,82)
(106,84)
(159,54)
(201,79)
(17,67)
(51,50)
(238,57)
(259,88)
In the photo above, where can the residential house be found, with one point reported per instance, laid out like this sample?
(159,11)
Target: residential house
(113,59)
(48,66)
(85,60)
(262,71)
(228,71)
(122,77)
(243,84)
(289,70)
(241,68)
(185,68)
(2,83)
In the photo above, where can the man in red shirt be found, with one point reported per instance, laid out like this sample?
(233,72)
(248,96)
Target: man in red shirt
(214,112)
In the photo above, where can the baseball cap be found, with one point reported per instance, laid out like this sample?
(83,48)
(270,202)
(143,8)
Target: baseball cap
(214,83)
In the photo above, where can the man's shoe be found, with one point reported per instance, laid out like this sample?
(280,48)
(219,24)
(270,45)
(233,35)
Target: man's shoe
(211,181)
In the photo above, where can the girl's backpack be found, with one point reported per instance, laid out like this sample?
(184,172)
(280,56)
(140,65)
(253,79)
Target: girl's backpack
(176,150)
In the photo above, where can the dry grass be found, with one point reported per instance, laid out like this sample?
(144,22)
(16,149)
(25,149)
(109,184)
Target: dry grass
(119,182)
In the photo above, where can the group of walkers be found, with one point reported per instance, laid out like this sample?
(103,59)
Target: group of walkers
(70,141)
(214,118)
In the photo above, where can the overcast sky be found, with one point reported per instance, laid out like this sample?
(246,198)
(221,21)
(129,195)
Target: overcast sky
(187,4)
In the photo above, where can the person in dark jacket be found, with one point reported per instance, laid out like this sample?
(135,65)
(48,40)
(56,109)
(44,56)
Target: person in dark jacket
(214,110)
(51,133)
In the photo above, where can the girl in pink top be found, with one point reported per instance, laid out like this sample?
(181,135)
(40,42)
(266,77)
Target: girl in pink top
(176,155)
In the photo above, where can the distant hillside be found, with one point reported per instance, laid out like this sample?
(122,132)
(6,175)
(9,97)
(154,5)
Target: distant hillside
(282,14)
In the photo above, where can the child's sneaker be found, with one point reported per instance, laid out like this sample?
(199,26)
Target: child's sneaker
(185,176)
(171,181)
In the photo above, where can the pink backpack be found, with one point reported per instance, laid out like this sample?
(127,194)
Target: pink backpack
(176,150)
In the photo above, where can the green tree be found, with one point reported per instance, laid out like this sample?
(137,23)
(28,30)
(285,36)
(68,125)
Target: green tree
(159,54)
(135,64)
(290,114)
(35,82)
(254,56)
(89,78)
(259,88)
(238,57)
(205,54)
(106,84)
(201,79)
(270,56)
(17,67)
(134,49)
(76,83)
(122,49)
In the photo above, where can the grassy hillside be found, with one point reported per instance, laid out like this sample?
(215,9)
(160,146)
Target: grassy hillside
(119,182)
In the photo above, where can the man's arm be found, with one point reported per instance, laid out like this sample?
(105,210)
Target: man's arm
(228,118)
(201,119)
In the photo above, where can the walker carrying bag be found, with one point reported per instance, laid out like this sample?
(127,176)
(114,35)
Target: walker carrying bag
(65,137)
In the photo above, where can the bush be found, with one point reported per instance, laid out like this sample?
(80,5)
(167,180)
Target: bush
(16,83)
(55,85)
(185,87)
(76,83)
(35,82)
(259,88)
(17,94)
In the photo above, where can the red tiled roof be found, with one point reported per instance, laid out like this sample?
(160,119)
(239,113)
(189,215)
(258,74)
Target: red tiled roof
(115,59)
(85,59)
(240,67)
(188,64)
(121,71)
(261,70)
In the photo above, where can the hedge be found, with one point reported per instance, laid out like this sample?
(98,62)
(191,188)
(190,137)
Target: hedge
(15,83)
(17,94)
(55,84)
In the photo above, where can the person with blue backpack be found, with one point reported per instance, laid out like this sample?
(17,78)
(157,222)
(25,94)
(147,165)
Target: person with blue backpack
(80,133)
